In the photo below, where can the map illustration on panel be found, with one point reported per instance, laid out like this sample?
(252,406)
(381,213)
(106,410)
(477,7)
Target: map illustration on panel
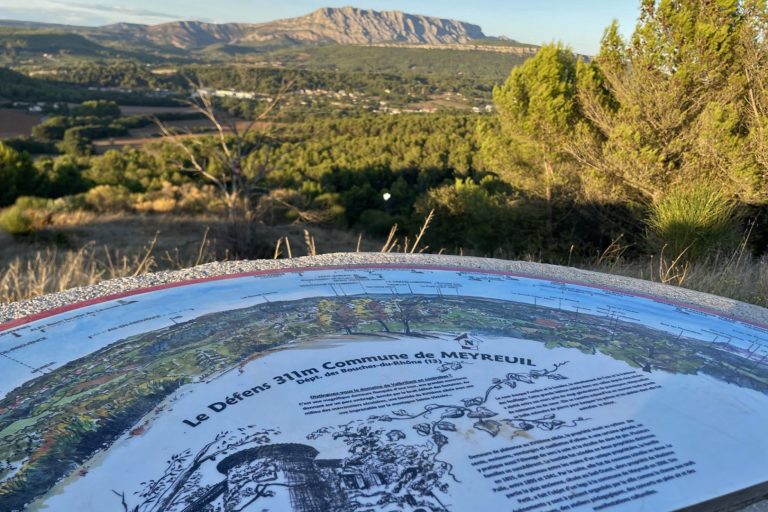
(380,389)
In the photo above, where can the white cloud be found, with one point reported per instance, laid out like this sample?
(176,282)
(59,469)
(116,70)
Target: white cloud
(81,13)
(115,10)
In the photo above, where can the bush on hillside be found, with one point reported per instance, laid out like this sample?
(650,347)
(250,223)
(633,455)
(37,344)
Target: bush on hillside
(18,175)
(27,215)
(109,198)
(470,216)
(693,221)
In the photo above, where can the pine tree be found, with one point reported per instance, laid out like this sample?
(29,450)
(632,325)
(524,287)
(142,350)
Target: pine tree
(538,110)
(754,55)
(671,106)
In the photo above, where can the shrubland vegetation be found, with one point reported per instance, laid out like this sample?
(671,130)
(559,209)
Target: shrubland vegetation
(19,87)
(453,65)
(650,159)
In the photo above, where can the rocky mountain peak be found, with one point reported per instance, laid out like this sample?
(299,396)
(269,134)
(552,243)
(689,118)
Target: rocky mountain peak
(352,25)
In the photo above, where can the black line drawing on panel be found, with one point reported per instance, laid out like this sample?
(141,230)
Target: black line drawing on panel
(390,462)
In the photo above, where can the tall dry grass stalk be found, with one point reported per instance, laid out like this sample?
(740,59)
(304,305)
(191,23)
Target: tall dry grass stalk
(53,270)
(393,243)
(735,274)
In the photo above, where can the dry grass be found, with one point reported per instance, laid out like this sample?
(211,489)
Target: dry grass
(120,246)
(737,274)
(82,249)
(53,270)
(743,279)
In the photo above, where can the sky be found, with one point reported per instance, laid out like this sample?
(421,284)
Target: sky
(578,23)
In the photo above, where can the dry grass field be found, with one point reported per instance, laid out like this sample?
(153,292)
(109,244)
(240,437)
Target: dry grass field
(83,249)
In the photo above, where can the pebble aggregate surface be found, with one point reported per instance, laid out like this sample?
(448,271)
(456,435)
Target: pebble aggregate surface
(722,305)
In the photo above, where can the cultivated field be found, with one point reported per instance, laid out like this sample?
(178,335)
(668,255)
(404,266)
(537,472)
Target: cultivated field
(14,123)
(142,110)
(151,133)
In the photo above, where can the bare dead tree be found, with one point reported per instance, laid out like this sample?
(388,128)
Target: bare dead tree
(240,176)
(235,158)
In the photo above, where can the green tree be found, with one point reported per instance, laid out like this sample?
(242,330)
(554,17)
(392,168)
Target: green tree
(17,175)
(98,108)
(539,112)
(74,143)
(753,52)
(488,218)
(681,101)
(61,177)
(52,129)
(136,170)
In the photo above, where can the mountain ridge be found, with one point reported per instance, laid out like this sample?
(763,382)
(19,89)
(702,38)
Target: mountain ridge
(343,25)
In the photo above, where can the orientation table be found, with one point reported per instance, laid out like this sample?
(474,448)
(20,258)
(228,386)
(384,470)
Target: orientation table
(383,383)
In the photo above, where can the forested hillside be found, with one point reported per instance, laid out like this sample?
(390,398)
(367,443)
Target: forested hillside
(655,150)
